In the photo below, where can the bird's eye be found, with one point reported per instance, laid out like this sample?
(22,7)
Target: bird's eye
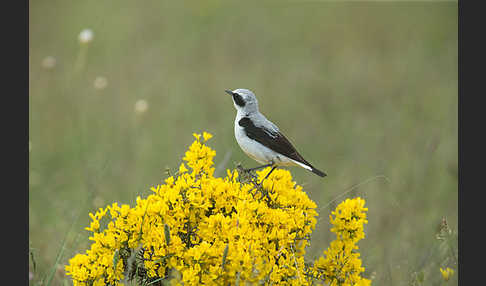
(238,100)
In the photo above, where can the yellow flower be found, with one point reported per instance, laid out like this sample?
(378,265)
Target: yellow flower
(207,136)
(182,168)
(446,273)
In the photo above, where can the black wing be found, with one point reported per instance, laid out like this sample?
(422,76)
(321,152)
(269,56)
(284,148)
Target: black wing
(271,139)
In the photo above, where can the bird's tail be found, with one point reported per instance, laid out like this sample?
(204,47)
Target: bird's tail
(310,168)
(317,172)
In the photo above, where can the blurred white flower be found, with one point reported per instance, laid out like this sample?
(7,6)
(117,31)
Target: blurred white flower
(141,106)
(49,62)
(100,82)
(85,36)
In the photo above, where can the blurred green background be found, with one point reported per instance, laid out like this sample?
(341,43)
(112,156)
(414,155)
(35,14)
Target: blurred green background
(367,91)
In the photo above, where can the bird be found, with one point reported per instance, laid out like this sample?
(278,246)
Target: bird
(261,139)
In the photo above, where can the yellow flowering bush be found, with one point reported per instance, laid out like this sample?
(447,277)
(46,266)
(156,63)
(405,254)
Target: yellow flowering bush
(341,264)
(199,229)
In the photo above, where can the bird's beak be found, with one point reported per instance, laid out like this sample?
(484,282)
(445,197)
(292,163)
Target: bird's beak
(229,92)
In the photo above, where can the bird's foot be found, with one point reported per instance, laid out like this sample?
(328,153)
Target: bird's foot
(252,176)
(249,173)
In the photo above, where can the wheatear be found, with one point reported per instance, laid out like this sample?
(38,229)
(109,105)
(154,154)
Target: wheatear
(260,139)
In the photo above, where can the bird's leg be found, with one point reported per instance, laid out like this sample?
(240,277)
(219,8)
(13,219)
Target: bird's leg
(259,167)
(273,168)
(256,168)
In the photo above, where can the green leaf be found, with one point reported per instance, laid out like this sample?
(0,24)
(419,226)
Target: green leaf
(167,234)
(225,254)
(116,257)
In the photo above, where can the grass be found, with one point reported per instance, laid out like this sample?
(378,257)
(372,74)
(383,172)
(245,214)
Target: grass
(366,91)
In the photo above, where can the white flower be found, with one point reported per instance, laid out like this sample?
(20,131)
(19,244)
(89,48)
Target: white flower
(49,62)
(85,36)
(100,82)
(141,106)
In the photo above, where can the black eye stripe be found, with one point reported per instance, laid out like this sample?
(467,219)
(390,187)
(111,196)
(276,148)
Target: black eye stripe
(238,99)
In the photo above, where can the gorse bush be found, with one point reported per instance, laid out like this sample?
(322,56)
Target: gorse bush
(341,264)
(199,229)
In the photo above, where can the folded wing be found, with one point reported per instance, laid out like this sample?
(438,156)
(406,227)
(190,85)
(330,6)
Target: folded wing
(274,140)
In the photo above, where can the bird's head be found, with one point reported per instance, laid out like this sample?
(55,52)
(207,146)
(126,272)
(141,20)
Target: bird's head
(244,100)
